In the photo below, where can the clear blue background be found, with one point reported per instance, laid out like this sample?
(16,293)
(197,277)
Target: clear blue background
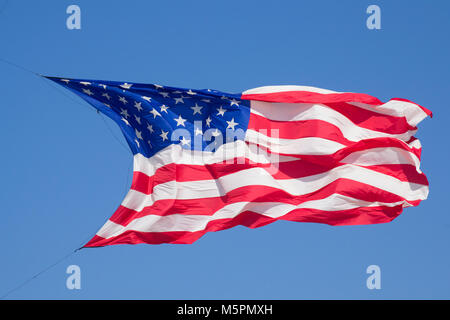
(63,173)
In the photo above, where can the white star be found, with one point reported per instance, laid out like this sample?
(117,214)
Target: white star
(138,134)
(180,100)
(163,135)
(180,121)
(150,128)
(234,101)
(208,121)
(126,85)
(123,100)
(164,94)
(146,98)
(65,80)
(138,120)
(137,142)
(85,83)
(197,109)
(206,100)
(216,133)
(102,85)
(224,98)
(149,144)
(157,86)
(164,108)
(109,106)
(137,105)
(124,112)
(126,122)
(88,92)
(184,141)
(191,92)
(106,95)
(232,124)
(155,113)
(221,111)
(198,131)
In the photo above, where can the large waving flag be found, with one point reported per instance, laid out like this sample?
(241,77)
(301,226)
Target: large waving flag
(206,160)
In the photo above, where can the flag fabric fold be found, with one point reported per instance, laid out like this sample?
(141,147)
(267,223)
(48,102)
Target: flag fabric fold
(206,160)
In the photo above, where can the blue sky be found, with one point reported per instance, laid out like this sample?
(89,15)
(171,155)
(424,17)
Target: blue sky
(63,172)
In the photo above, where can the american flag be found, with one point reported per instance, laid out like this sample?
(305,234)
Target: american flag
(206,160)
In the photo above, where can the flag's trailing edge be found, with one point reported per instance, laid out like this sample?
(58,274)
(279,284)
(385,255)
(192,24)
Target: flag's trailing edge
(206,160)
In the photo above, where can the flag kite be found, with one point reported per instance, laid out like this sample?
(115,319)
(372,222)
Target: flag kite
(206,160)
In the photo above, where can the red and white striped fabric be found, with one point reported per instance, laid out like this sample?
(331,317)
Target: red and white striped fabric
(309,155)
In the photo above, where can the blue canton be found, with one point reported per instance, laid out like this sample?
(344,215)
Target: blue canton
(153,117)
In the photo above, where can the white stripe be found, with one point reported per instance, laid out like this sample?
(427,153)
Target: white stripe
(192,223)
(136,200)
(308,111)
(275,89)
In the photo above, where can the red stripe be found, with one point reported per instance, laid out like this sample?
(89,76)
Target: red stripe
(372,120)
(297,129)
(256,193)
(312,97)
(358,216)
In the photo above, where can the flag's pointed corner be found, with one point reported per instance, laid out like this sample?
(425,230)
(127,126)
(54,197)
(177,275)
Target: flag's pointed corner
(93,243)
(427,111)
(49,77)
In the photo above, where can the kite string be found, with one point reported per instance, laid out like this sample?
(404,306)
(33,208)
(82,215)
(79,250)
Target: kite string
(41,77)
(57,88)
(65,256)
(19,67)
(68,96)
(112,133)
(37,274)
